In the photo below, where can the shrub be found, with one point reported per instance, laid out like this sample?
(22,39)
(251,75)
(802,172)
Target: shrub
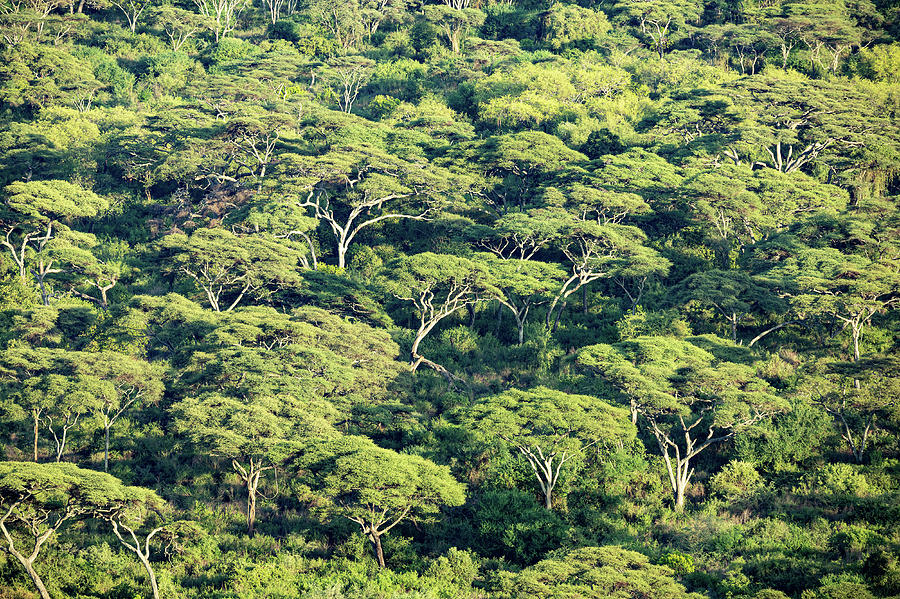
(680,563)
(737,479)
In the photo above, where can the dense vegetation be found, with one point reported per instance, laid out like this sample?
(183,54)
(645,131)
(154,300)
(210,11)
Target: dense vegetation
(463,299)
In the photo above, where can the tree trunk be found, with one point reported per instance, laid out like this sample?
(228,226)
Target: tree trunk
(106,449)
(379,552)
(679,497)
(36,418)
(29,567)
(37,581)
(150,574)
(251,507)
(548,498)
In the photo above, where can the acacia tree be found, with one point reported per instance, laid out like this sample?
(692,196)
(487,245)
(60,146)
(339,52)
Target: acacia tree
(36,500)
(132,9)
(254,436)
(353,190)
(522,285)
(375,488)
(180,25)
(733,294)
(18,368)
(255,139)
(660,20)
(831,282)
(137,516)
(437,286)
(856,394)
(263,380)
(221,15)
(47,385)
(596,573)
(597,251)
(133,381)
(454,22)
(550,428)
(690,398)
(223,264)
(33,216)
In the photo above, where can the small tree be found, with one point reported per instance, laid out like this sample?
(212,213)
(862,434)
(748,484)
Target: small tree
(550,427)
(375,488)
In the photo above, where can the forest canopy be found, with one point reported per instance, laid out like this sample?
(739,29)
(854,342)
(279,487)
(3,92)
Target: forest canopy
(476,299)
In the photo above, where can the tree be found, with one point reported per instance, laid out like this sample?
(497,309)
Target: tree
(46,385)
(659,20)
(856,394)
(253,435)
(550,428)
(340,18)
(263,380)
(131,509)
(734,295)
(221,15)
(36,500)
(30,215)
(179,25)
(437,286)
(375,488)
(132,9)
(690,397)
(851,288)
(454,22)
(524,284)
(597,251)
(511,166)
(350,191)
(566,25)
(133,381)
(255,139)
(349,75)
(224,265)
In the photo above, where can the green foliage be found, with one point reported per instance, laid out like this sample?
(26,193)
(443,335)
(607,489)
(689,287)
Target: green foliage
(344,279)
(736,479)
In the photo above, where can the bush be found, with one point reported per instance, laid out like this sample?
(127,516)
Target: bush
(680,563)
(737,479)
(514,525)
(838,480)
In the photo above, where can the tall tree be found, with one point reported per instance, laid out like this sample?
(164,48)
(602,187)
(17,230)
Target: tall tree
(228,267)
(437,286)
(350,191)
(34,214)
